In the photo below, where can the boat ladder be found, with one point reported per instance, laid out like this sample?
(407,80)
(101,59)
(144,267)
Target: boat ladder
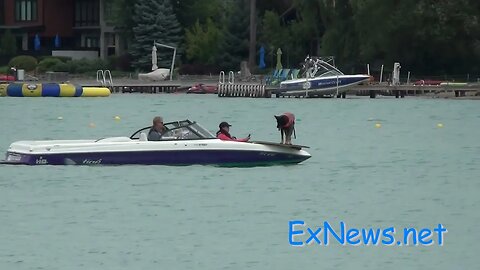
(231,77)
(104,77)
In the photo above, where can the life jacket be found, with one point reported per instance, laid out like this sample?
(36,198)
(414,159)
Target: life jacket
(226,134)
(290,120)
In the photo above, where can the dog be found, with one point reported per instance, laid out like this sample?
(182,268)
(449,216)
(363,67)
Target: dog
(286,125)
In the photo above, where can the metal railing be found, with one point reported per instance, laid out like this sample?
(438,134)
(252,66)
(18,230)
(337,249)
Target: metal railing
(231,77)
(104,77)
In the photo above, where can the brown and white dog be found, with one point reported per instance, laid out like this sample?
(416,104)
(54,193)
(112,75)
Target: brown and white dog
(286,125)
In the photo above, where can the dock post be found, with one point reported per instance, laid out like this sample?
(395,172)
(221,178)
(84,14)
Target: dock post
(372,93)
(381,74)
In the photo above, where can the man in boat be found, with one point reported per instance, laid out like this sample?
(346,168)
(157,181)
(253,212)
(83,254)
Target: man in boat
(224,133)
(157,130)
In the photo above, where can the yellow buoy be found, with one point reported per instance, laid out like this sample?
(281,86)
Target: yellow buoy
(92,125)
(378,125)
(117,118)
(440,125)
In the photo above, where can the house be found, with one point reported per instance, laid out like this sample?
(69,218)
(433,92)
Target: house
(81,25)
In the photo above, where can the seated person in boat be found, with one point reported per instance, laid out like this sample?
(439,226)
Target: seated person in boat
(224,133)
(157,130)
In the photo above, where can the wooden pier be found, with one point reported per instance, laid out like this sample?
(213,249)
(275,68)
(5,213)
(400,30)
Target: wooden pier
(399,91)
(262,91)
(140,87)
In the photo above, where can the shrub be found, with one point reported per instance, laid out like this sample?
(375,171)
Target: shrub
(61,67)
(122,62)
(84,65)
(125,62)
(25,62)
(95,65)
(4,70)
(61,58)
(47,63)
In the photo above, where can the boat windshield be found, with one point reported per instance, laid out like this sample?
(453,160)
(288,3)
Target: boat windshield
(179,130)
(316,67)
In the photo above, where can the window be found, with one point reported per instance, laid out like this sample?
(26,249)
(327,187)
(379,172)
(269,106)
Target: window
(87,13)
(26,10)
(91,42)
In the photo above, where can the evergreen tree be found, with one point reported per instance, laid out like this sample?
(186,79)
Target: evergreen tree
(234,47)
(155,21)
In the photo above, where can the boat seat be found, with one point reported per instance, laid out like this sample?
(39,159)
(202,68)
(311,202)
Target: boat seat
(143,137)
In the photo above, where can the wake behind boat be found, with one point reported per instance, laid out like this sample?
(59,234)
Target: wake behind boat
(184,143)
(321,78)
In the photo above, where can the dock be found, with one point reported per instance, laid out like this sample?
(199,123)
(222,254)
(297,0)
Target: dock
(371,90)
(399,91)
(143,87)
(260,90)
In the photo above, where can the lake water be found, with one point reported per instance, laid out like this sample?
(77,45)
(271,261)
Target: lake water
(408,173)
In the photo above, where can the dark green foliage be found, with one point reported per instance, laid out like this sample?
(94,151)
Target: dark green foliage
(121,63)
(60,67)
(190,11)
(26,62)
(122,17)
(234,45)
(203,42)
(8,45)
(47,64)
(426,36)
(61,58)
(155,21)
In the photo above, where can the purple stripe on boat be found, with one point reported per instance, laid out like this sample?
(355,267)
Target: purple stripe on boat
(185,157)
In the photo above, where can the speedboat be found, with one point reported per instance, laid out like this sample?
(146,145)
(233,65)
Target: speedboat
(184,143)
(203,89)
(321,78)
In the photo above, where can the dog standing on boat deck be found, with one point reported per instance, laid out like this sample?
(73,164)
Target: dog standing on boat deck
(286,125)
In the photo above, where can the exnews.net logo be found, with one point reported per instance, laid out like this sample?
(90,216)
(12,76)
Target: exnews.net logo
(299,234)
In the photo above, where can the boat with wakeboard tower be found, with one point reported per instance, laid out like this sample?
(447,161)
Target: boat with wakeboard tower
(321,78)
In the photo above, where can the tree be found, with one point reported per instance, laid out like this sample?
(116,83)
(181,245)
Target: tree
(253,34)
(202,42)
(191,11)
(8,45)
(155,21)
(122,17)
(234,47)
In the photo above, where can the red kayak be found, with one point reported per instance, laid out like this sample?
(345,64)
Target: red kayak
(202,89)
(7,78)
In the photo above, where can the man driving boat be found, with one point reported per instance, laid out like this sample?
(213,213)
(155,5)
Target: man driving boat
(157,130)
